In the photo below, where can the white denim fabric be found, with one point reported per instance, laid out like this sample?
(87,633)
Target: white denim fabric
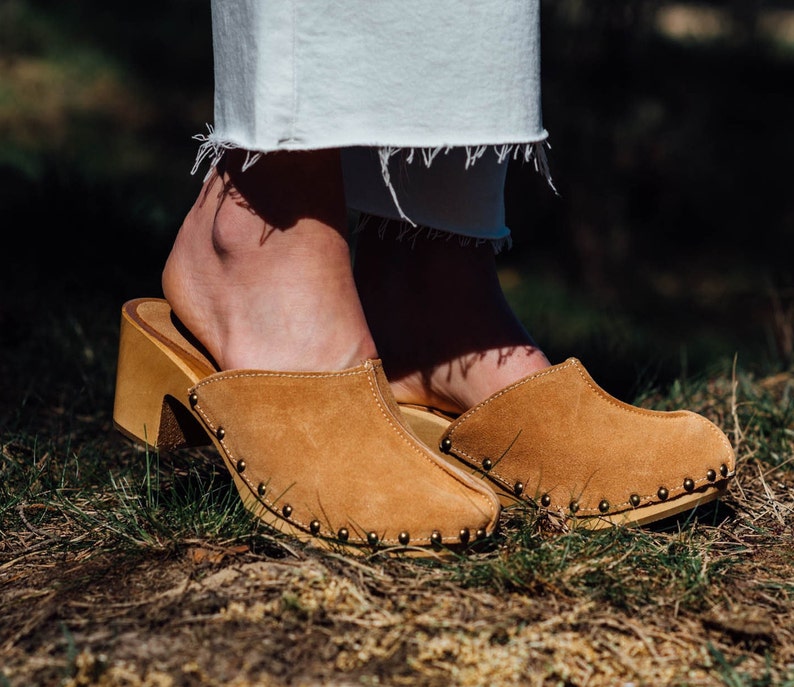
(428,98)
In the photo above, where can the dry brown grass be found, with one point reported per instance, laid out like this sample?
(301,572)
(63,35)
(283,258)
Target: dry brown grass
(90,599)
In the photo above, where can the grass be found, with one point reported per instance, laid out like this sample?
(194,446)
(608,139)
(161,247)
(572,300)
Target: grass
(120,566)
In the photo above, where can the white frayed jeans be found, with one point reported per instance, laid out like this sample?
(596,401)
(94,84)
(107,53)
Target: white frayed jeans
(428,99)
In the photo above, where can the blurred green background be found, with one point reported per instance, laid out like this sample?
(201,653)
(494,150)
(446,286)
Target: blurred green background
(667,253)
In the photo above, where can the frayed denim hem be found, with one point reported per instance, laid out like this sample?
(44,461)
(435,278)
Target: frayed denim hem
(534,152)
(411,233)
(212,148)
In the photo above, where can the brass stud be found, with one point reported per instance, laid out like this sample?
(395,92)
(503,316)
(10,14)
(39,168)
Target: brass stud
(603,506)
(663,493)
(518,488)
(487,463)
(240,465)
(481,533)
(634,500)
(724,470)
(545,500)
(261,489)
(435,537)
(343,534)
(574,506)
(464,535)
(220,433)
(287,510)
(711,475)
(689,484)
(372,538)
(193,400)
(314,527)
(446,445)
(403,538)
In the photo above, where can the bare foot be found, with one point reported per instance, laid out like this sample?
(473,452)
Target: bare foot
(446,334)
(260,270)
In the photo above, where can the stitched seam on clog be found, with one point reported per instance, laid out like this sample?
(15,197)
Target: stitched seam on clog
(720,434)
(661,414)
(279,375)
(573,362)
(413,444)
(508,389)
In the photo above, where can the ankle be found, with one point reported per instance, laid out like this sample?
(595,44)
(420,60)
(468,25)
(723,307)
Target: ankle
(264,296)
(445,331)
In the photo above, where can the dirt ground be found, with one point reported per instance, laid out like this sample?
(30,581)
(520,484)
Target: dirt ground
(269,612)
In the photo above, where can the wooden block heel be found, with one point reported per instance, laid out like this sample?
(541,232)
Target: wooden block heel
(152,386)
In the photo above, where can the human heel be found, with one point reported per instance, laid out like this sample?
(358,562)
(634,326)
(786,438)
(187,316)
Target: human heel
(152,383)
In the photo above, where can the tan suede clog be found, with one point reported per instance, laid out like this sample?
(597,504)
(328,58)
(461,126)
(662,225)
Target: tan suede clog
(559,441)
(323,456)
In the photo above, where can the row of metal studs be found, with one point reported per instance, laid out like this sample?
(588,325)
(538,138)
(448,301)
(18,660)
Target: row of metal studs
(634,499)
(603,505)
(344,534)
